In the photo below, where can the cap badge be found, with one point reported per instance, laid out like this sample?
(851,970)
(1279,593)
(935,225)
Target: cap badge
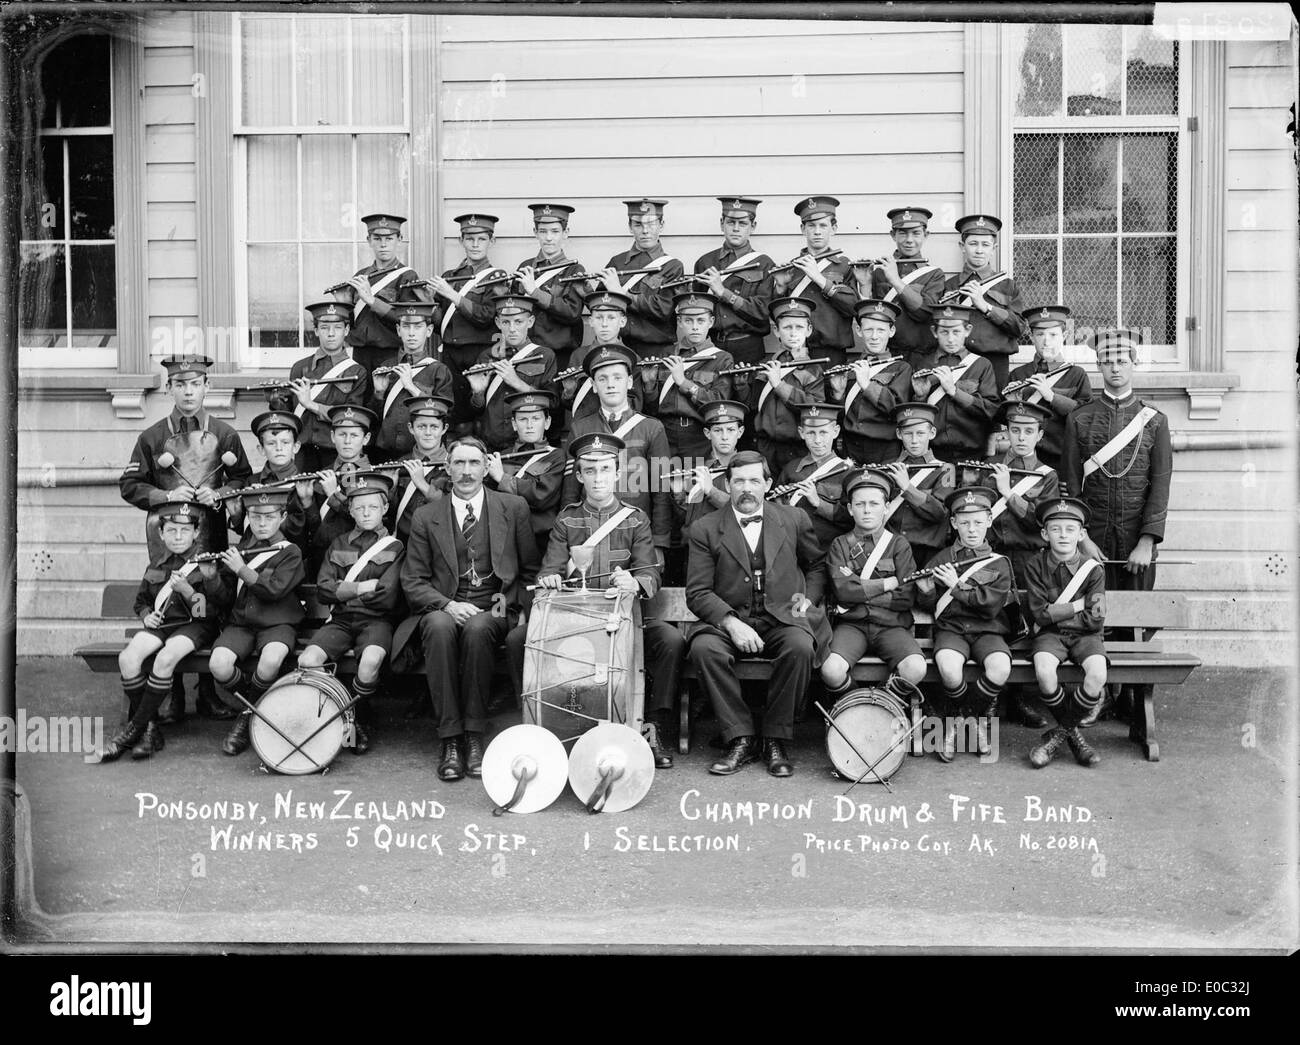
(736,204)
(970,498)
(907,215)
(546,212)
(263,499)
(645,207)
(948,313)
(980,221)
(1062,507)
(1045,314)
(814,412)
(332,311)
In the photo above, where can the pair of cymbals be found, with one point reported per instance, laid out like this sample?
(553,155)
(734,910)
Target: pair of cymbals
(525,769)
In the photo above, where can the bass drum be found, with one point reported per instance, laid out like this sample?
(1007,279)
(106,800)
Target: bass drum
(583,662)
(875,722)
(301,723)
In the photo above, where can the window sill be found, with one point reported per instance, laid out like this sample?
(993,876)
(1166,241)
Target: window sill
(1204,389)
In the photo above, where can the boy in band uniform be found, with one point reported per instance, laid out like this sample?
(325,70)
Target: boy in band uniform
(558,324)
(424,475)
(416,372)
(180,603)
(785,384)
(625,559)
(1056,384)
(828,282)
(276,432)
(468,323)
(372,292)
(611,369)
(266,612)
(360,579)
(1067,598)
(968,594)
(874,611)
(519,365)
(350,430)
(538,477)
(918,514)
(333,360)
(705,490)
(962,387)
(820,473)
(907,281)
(608,313)
(878,387)
(742,322)
(997,328)
(691,376)
(650,309)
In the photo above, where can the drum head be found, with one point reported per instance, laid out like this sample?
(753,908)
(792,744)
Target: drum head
(300,705)
(518,751)
(619,747)
(872,720)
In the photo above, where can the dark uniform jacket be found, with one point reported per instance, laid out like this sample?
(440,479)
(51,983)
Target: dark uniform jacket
(300,521)
(399,515)
(540,485)
(385,568)
(315,429)
(978,606)
(870,411)
(432,379)
(570,388)
(1135,501)
(208,579)
(778,418)
(706,377)
(962,428)
(913,337)
(651,322)
(925,524)
(628,545)
(537,369)
(1009,530)
(1071,390)
(742,308)
(474,320)
(829,519)
(832,321)
(557,319)
(1045,579)
(370,328)
(705,503)
(331,517)
(1002,331)
(145,485)
(867,601)
(273,597)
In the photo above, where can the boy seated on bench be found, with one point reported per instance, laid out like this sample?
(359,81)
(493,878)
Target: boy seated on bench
(266,609)
(970,618)
(361,578)
(867,567)
(1067,598)
(180,603)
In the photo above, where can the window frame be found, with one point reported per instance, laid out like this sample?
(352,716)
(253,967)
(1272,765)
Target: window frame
(1175,358)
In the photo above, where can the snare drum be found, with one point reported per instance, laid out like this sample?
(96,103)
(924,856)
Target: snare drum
(300,724)
(874,721)
(583,662)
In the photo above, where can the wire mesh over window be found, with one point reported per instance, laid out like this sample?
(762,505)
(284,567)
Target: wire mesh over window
(1096,204)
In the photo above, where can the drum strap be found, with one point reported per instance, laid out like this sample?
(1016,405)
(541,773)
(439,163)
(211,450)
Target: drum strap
(1076,582)
(605,529)
(259,560)
(946,599)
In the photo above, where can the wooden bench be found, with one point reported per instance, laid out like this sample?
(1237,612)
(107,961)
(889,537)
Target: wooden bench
(1142,664)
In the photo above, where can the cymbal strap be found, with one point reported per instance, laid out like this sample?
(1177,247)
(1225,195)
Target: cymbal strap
(603,787)
(520,788)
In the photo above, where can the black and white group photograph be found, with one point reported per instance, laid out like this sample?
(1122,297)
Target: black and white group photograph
(664,479)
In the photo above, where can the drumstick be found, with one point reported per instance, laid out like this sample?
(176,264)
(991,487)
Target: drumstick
(312,736)
(831,722)
(598,577)
(877,762)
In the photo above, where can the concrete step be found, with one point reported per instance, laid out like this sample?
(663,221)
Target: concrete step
(81,524)
(1235,649)
(60,600)
(1240,611)
(81,562)
(43,636)
(86,496)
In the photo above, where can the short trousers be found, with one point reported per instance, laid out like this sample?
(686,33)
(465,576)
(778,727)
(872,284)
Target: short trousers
(1076,648)
(243,641)
(976,649)
(337,637)
(853,639)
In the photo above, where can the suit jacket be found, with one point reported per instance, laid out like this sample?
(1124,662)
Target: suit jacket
(430,574)
(718,579)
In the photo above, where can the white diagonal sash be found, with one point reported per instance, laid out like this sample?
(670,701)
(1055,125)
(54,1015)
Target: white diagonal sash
(1130,432)
(416,371)
(699,357)
(336,370)
(957,373)
(1020,489)
(495,384)
(909,279)
(167,590)
(363,560)
(655,265)
(986,285)
(1076,582)
(360,306)
(583,389)
(814,475)
(768,387)
(630,422)
(873,560)
(260,559)
(546,277)
(740,263)
(409,492)
(946,599)
(822,266)
(1037,396)
(604,530)
(478,278)
(920,477)
(537,457)
(852,393)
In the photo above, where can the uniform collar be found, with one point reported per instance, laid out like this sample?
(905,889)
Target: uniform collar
(929,458)
(540,262)
(657,251)
(180,422)
(981,274)
(1030,462)
(1111,400)
(321,356)
(973,553)
(601,513)
(374,269)
(1071,565)
(365,538)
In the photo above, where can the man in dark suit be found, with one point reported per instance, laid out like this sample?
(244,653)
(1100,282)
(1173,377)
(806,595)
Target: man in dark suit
(468,560)
(755,581)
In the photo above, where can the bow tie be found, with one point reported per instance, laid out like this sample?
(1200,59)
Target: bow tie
(745,520)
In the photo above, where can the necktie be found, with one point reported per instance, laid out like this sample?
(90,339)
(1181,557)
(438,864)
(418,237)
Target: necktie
(467,526)
(745,520)
(611,420)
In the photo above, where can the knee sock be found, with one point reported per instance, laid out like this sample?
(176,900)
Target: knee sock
(1084,703)
(1058,706)
(257,686)
(986,696)
(363,691)
(155,692)
(953,698)
(133,688)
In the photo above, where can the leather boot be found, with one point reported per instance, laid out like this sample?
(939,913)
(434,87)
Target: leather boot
(474,755)
(1024,713)
(172,710)
(236,742)
(1046,751)
(740,752)
(774,754)
(450,766)
(360,739)
(208,704)
(150,743)
(121,742)
(951,724)
(663,760)
(1084,753)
